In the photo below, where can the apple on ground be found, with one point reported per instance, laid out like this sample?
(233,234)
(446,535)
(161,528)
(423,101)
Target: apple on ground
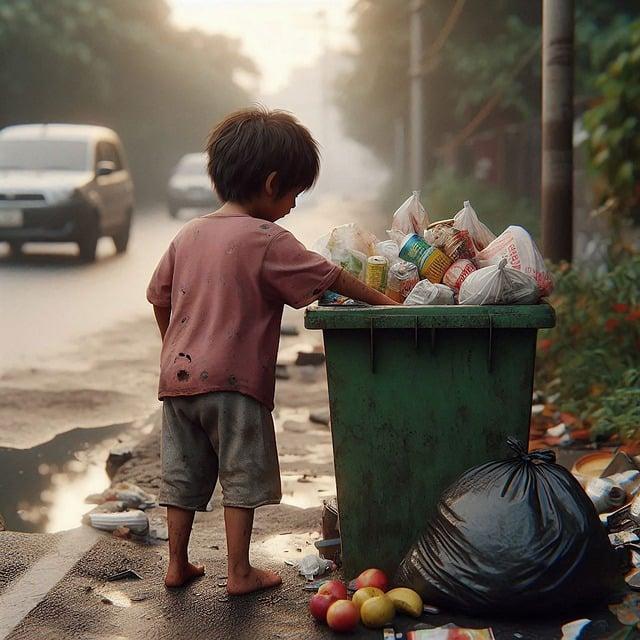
(334,588)
(343,616)
(372,578)
(319,605)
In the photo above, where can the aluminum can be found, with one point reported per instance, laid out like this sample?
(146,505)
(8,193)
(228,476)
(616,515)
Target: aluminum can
(431,262)
(376,273)
(403,276)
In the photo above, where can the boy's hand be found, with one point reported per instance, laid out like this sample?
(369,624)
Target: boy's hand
(162,318)
(348,285)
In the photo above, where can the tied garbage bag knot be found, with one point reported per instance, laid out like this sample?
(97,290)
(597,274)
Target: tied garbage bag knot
(538,455)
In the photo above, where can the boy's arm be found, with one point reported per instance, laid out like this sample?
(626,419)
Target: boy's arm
(348,285)
(162,318)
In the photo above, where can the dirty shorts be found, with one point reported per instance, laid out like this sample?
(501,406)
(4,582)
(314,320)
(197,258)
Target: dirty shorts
(225,435)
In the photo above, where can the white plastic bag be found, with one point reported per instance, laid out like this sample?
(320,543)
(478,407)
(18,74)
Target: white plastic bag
(347,245)
(498,284)
(467,219)
(518,248)
(426,292)
(389,249)
(410,216)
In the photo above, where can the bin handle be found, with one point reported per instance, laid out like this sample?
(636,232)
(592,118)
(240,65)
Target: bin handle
(490,350)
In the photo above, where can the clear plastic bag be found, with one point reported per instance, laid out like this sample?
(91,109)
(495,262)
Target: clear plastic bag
(426,292)
(498,284)
(388,249)
(410,216)
(518,248)
(467,220)
(348,246)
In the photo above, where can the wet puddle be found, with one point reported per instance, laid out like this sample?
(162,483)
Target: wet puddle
(42,489)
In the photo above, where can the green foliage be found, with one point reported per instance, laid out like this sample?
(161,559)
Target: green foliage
(474,65)
(445,192)
(592,356)
(614,127)
(119,63)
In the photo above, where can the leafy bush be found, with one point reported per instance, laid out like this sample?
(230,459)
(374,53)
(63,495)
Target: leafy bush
(614,128)
(591,358)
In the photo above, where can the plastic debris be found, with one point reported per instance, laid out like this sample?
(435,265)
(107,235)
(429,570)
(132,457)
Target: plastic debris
(498,284)
(467,219)
(130,494)
(410,216)
(136,521)
(311,566)
(572,630)
(427,293)
(605,494)
(124,575)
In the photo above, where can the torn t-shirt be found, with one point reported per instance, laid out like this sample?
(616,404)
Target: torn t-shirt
(226,278)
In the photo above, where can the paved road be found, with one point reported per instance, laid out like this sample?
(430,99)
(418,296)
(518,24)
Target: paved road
(50,301)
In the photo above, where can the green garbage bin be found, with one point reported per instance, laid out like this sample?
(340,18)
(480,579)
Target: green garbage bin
(417,396)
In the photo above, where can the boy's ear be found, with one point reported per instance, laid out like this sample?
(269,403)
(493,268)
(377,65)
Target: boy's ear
(271,184)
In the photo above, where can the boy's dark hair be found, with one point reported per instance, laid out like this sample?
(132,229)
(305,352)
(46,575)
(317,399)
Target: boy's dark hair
(249,144)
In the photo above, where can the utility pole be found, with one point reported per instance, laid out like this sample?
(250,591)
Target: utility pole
(416,101)
(557,129)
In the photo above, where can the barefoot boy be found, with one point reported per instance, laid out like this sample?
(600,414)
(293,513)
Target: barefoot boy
(218,295)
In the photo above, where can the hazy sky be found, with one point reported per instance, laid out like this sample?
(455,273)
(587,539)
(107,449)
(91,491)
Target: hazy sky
(278,35)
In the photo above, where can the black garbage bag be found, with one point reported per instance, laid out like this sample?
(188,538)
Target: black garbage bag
(514,537)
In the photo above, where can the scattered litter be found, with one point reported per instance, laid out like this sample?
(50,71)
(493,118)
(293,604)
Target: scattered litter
(289,330)
(310,359)
(319,417)
(311,566)
(605,494)
(135,520)
(572,630)
(131,495)
(118,455)
(450,633)
(330,549)
(124,575)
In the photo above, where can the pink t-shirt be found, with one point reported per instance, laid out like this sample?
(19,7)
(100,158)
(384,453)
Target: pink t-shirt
(226,278)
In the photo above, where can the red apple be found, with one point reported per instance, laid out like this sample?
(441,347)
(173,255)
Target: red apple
(319,605)
(372,578)
(343,616)
(334,588)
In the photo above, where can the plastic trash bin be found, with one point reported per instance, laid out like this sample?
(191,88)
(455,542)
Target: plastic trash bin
(417,396)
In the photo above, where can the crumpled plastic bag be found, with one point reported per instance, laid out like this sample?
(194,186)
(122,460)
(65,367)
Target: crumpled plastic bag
(311,566)
(498,284)
(467,219)
(388,249)
(410,216)
(348,246)
(516,536)
(518,248)
(426,292)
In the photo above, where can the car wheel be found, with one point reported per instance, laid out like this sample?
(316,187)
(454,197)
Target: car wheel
(121,239)
(15,248)
(88,241)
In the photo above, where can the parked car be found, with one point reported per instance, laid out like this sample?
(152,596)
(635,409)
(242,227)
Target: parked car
(190,185)
(64,183)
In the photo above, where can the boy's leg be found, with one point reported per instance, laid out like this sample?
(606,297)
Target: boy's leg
(241,576)
(180,570)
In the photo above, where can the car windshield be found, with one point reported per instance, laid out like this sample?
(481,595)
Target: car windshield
(192,166)
(43,155)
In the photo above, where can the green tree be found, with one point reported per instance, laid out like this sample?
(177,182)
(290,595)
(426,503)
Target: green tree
(121,64)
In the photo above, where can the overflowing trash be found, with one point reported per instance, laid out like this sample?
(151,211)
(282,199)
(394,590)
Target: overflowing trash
(517,535)
(461,257)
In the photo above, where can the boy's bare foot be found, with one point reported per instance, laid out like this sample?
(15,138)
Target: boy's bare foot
(255,580)
(182,575)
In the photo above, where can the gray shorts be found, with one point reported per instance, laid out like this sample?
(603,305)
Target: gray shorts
(225,435)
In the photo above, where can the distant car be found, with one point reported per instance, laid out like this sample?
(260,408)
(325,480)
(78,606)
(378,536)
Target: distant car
(190,185)
(64,183)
